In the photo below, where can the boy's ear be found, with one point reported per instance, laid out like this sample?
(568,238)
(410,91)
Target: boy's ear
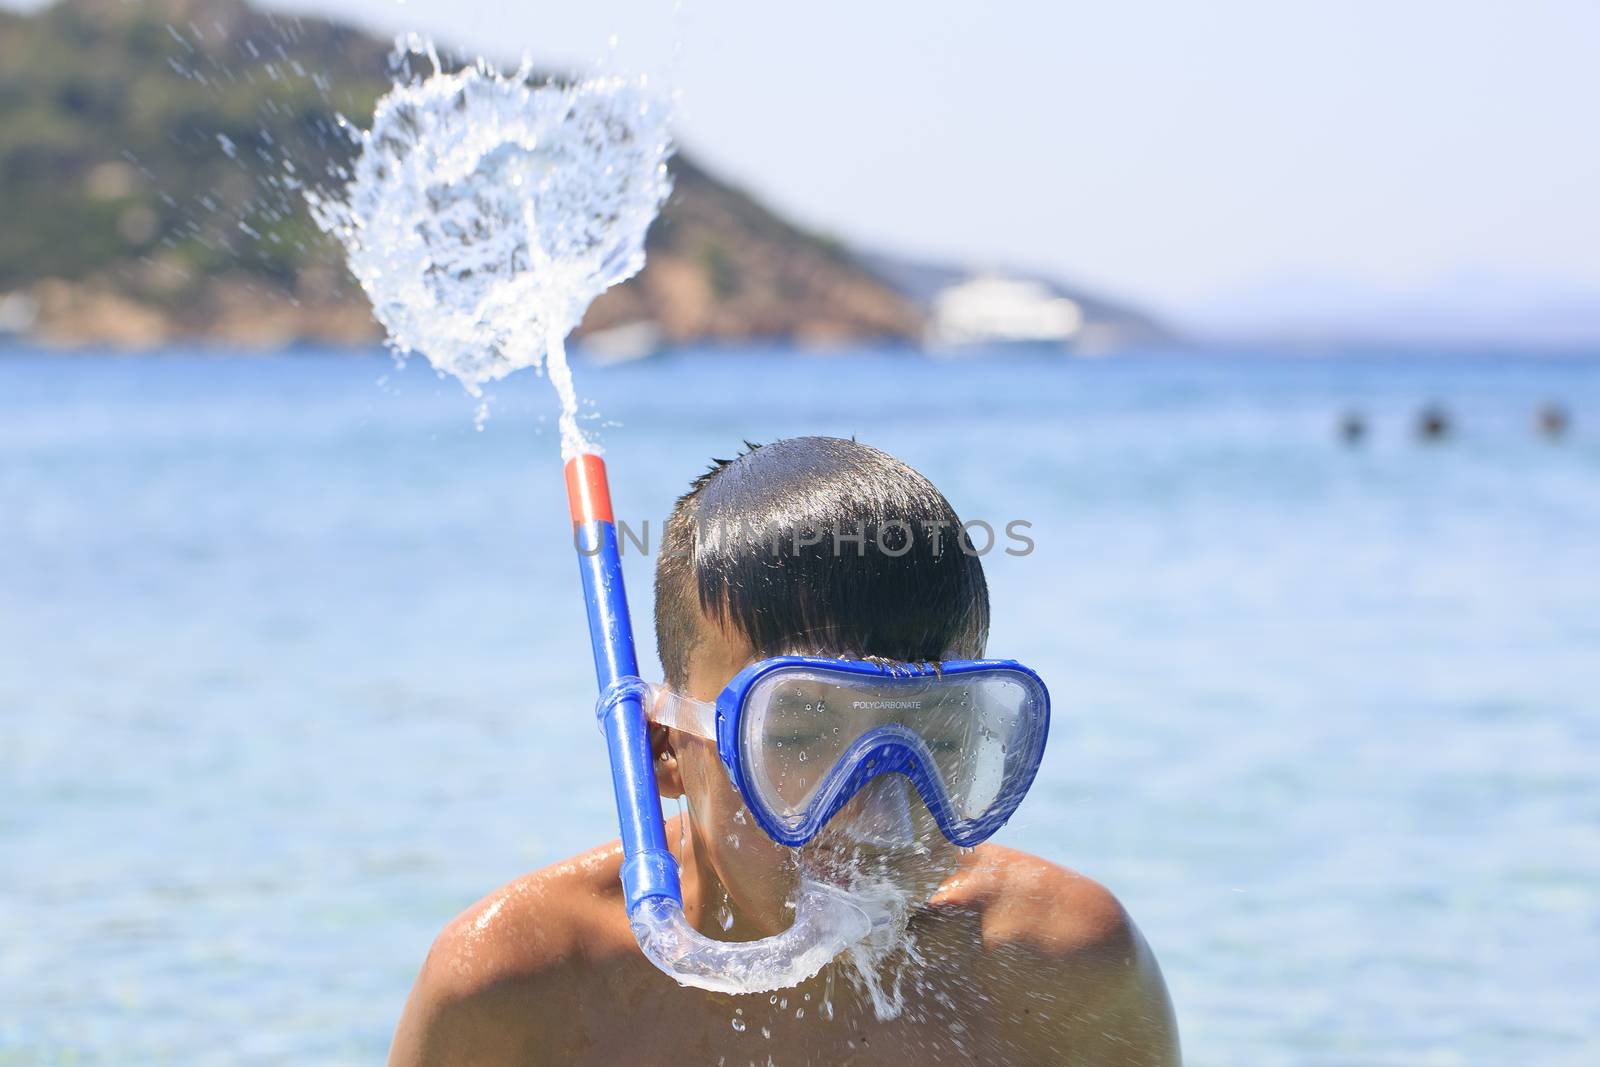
(664,757)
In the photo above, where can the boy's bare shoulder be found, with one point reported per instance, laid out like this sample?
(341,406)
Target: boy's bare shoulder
(507,967)
(1030,902)
(1066,936)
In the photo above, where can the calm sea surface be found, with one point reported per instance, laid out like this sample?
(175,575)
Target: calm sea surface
(293,668)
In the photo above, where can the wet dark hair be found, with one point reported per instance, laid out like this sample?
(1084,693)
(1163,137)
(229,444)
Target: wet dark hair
(819,546)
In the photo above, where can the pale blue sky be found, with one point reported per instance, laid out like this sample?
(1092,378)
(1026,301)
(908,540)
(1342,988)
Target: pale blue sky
(1180,153)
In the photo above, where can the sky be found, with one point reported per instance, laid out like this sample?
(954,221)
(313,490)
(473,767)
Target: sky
(1232,159)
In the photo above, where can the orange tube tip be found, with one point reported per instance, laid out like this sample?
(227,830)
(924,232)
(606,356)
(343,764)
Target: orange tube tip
(588,492)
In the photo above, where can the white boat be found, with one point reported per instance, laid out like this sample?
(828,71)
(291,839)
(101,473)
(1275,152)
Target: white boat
(621,344)
(996,310)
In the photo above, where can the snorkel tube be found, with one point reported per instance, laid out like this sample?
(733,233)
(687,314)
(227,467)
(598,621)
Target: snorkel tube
(826,922)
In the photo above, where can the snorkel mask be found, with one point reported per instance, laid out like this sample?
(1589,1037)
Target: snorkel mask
(799,737)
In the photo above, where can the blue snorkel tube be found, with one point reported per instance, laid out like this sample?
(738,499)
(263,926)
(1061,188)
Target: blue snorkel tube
(826,921)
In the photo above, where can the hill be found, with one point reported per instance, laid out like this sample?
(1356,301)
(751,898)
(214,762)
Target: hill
(153,155)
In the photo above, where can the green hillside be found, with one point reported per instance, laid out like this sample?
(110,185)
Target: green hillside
(152,157)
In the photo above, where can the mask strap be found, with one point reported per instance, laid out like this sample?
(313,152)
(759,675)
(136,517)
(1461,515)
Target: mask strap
(697,718)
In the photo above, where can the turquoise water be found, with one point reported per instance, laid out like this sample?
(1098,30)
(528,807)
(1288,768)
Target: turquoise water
(292,668)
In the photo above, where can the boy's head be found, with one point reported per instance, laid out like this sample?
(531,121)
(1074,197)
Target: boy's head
(821,546)
(811,545)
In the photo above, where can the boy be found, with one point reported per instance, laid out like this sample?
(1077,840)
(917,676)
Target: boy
(1009,958)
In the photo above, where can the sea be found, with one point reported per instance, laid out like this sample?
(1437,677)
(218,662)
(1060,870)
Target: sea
(293,668)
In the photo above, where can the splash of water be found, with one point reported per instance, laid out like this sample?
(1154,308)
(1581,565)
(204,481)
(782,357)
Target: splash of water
(879,963)
(484,214)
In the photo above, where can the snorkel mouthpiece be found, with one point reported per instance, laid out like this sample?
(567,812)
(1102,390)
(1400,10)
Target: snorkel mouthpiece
(826,921)
(825,924)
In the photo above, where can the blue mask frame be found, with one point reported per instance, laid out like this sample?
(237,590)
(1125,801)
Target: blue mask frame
(886,749)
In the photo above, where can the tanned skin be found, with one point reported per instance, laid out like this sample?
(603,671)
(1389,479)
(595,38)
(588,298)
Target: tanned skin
(1017,960)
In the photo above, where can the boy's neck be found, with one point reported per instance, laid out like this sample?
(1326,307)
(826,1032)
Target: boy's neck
(707,904)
